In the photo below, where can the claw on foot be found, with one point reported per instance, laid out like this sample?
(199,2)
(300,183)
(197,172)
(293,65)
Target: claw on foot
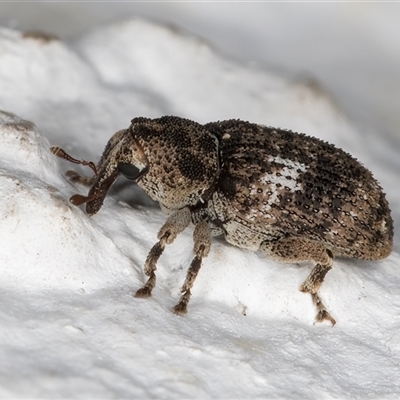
(143,293)
(325,316)
(146,290)
(181,307)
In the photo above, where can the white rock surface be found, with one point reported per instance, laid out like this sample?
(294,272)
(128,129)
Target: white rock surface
(69,324)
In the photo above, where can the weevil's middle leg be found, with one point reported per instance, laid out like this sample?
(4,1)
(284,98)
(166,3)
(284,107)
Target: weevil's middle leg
(175,224)
(202,244)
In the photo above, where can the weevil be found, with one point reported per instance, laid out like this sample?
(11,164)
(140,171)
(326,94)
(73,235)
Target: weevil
(291,196)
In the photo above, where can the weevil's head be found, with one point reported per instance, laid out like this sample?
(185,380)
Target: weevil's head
(123,155)
(173,159)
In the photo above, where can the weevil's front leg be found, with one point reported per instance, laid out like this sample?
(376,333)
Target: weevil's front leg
(202,244)
(175,224)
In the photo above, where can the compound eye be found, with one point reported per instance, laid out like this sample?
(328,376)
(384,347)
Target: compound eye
(130,171)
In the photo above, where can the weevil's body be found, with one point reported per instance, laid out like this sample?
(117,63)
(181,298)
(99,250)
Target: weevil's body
(277,184)
(289,195)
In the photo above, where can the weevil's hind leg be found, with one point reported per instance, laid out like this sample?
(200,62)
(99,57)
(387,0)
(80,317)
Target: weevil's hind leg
(297,249)
(175,224)
(312,284)
(202,244)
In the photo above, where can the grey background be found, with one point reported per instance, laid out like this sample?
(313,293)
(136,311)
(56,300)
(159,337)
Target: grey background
(351,48)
